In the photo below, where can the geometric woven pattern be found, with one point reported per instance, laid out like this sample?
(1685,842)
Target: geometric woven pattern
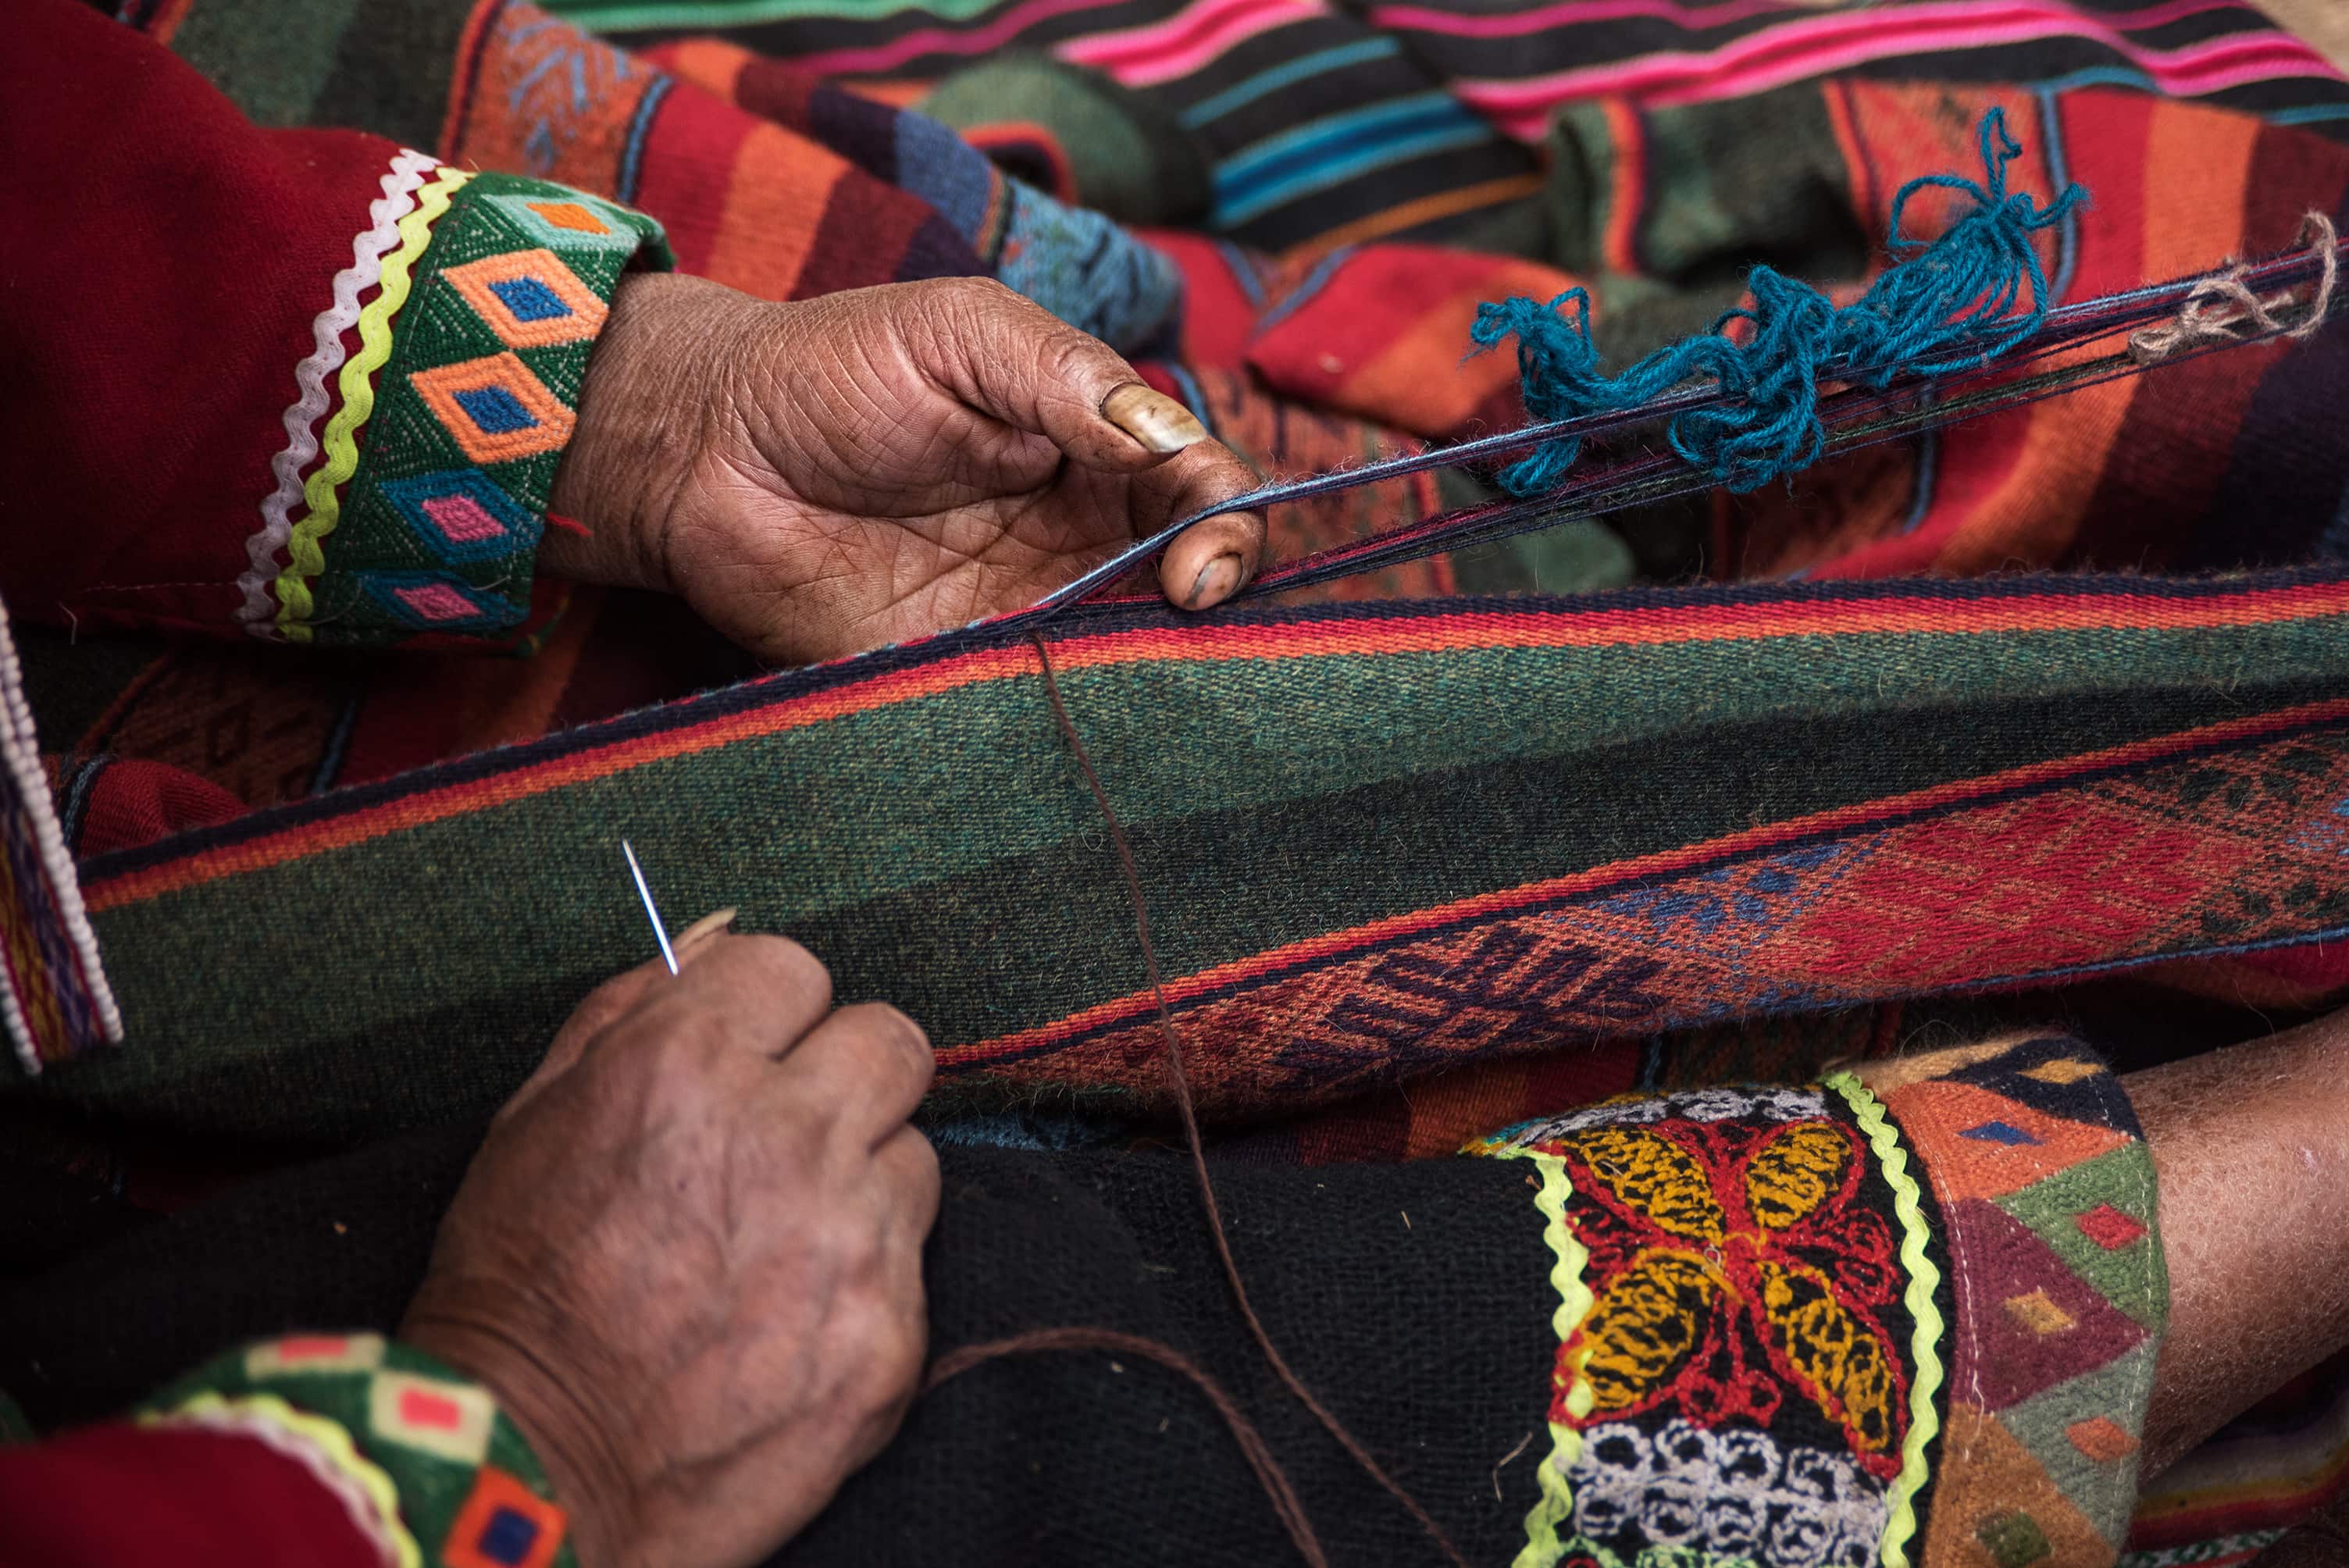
(474,405)
(465,1479)
(426,601)
(448,1419)
(494,407)
(572,221)
(462,514)
(503,1524)
(2047,1194)
(529,298)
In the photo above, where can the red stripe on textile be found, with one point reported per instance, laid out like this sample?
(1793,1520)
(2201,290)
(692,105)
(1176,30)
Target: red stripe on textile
(687,171)
(1485,907)
(1208,642)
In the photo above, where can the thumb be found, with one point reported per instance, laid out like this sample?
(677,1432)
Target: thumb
(1013,360)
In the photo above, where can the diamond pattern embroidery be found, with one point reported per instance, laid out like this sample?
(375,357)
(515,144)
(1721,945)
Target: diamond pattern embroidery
(494,407)
(430,602)
(529,298)
(576,223)
(503,1524)
(451,1420)
(462,515)
(2108,1227)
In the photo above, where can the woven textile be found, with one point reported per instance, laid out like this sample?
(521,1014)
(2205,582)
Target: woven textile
(1318,122)
(431,1450)
(2024,779)
(1709,1330)
(1792,1332)
(2048,1216)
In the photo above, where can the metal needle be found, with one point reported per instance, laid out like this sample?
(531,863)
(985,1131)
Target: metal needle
(660,933)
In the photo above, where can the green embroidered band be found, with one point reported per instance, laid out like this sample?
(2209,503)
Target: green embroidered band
(431,1450)
(493,303)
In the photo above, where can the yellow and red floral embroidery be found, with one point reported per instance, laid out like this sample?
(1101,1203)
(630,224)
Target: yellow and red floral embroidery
(1733,1271)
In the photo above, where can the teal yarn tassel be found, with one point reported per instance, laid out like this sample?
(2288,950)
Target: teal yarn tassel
(1945,307)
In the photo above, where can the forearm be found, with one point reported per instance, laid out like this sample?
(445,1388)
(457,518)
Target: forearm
(2252,1149)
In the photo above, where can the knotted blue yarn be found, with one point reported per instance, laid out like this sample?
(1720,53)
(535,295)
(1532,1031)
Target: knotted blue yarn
(1951,306)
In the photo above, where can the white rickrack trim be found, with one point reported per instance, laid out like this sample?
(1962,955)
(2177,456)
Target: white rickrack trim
(20,754)
(407,173)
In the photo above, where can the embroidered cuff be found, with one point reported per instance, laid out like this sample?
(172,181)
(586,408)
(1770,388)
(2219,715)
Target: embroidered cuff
(1782,1344)
(2045,1195)
(432,1471)
(420,522)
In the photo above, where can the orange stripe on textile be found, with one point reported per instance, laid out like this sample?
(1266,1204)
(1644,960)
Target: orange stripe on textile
(1363,342)
(2040,509)
(710,63)
(1410,214)
(780,188)
(1626,196)
(2001,454)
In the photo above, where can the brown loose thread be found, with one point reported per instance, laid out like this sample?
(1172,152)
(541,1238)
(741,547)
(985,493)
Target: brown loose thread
(1276,1483)
(2217,306)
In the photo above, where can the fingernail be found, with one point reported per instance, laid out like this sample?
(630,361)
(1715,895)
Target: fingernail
(712,924)
(1215,581)
(1152,418)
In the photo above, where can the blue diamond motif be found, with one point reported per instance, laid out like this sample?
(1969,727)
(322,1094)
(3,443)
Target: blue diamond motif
(528,300)
(508,1537)
(1998,1132)
(495,411)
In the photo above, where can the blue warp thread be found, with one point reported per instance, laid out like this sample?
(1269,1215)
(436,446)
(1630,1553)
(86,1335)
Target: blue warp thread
(1945,308)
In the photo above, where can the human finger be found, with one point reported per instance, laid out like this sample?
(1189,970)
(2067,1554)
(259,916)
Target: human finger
(755,994)
(1018,363)
(1213,559)
(862,1070)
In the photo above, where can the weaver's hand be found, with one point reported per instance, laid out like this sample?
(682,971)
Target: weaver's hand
(687,1258)
(851,471)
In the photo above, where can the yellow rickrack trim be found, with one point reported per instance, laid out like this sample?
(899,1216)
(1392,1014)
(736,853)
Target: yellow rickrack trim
(303,558)
(1924,1278)
(325,1437)
(1575,1301)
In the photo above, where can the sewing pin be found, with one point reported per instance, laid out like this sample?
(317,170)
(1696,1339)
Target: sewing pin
(660,933)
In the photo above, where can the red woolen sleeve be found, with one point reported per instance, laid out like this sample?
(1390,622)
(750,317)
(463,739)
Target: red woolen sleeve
(106,1497)
(301,383)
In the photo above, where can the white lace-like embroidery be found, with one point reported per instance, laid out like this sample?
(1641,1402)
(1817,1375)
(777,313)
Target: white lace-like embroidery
(1734,1493)
(368,248)
(1693,1105)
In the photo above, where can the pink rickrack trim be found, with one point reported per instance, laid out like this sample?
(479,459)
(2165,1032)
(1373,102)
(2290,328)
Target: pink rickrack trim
(368,248)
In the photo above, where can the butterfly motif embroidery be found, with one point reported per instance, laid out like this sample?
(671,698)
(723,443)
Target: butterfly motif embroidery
(1730,1265)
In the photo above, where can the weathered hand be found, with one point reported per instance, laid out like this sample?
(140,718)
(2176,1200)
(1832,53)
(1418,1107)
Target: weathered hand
(687,1258)
(848,472)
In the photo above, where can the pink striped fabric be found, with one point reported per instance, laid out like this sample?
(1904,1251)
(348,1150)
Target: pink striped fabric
(1819,46)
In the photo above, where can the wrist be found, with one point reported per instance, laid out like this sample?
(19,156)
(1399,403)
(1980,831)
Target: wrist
(644,405)
(583,1468)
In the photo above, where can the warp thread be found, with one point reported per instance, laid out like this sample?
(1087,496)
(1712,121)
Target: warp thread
(1950,306)
(1268,1471)
(2217,306)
